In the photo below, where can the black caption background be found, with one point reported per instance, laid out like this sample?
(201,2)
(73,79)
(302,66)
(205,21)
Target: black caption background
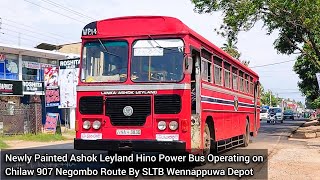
(259,168)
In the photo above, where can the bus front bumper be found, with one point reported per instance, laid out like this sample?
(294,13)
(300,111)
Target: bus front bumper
(130,145)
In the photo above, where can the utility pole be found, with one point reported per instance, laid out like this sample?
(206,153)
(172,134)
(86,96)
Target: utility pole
(270,97)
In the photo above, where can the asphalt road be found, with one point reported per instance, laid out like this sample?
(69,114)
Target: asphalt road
(268,133)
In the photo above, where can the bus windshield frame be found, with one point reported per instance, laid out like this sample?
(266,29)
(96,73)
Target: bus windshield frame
(157,61)
(105,61)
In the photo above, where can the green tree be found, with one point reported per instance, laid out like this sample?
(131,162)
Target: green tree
(297,23)
(231,48)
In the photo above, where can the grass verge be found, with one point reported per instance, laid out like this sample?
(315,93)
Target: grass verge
(3,145)
(35,137)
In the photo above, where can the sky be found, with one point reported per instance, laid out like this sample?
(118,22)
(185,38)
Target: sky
(30,22)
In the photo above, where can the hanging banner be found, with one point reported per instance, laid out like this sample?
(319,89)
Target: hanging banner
(52,122)
(68,80)
(51,77)
(10,88)
(52,97)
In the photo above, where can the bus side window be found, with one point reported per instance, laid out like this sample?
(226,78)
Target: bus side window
(241,81)
(235,78)
(217,71)
(227,73)
(206,72)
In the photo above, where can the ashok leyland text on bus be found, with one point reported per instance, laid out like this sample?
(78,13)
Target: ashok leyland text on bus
(150,83)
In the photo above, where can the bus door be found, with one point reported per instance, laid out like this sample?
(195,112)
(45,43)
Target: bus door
(256,118)
(196,136)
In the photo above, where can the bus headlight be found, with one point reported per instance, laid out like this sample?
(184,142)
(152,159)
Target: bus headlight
(86,125)
(162,125)
(96,124)
(173,125)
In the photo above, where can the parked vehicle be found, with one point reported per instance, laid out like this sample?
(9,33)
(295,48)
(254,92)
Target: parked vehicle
(288,114)
(264,114)
(275,113)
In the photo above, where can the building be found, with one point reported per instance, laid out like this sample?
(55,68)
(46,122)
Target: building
(22,74)
(73,48)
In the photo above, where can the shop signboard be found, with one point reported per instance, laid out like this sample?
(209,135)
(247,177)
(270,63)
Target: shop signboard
(52,91)
(68,80)
(33,88)
(11,88)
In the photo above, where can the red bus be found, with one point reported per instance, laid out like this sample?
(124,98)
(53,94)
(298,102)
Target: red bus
(152,83)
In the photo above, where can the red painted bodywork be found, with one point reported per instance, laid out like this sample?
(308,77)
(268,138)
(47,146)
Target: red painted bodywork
(227,122)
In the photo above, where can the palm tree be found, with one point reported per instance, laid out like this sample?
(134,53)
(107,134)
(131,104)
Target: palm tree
(231,48)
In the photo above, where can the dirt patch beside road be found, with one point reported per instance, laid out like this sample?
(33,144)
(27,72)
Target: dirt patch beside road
(295,161)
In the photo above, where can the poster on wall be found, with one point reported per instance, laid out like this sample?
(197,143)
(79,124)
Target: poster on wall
(52,98)
(52,123)
(68,80)
(51,77)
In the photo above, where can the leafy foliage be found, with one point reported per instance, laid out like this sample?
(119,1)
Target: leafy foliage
(231,48)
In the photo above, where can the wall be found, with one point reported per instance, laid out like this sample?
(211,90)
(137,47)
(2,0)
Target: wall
(74,48)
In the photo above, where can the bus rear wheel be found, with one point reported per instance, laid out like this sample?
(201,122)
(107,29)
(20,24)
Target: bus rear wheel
(246,136)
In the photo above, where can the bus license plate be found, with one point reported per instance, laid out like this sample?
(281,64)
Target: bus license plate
(124,132)
(91,136)
(167,137)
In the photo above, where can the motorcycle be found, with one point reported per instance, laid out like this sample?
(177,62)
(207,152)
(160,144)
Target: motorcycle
(272,119)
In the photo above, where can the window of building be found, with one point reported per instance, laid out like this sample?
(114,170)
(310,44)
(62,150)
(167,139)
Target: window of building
(9,66)
(217,71)
(241,81)
(206,65)
(227,73)
(235,78)
(33,67)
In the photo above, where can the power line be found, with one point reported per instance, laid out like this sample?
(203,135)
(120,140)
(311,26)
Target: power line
(20,24)
(33,32)
(55,12)
(67,9)
(10,30)
(272,64)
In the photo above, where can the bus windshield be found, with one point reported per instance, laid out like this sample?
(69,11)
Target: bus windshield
(105,61)
(157,60)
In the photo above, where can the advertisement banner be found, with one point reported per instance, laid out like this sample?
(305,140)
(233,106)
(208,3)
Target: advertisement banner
(52,97)
(11,88)
(52,120)
(33,88)
(51,77)
(68,80)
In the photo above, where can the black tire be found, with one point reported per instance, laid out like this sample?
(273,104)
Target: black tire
(282,121)
(268,121)
(246,136)
(206,145)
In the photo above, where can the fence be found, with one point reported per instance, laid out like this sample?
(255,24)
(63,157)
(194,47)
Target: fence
(19,119)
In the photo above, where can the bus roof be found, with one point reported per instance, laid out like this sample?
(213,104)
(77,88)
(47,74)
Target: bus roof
(148,25)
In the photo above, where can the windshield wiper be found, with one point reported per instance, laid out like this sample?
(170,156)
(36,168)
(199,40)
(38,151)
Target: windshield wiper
(106,50)
(159,46)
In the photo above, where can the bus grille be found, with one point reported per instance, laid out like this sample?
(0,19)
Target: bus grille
(91,105)
(141,109)
(167,104)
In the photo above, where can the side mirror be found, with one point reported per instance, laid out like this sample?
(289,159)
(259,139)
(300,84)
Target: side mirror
(187,65)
